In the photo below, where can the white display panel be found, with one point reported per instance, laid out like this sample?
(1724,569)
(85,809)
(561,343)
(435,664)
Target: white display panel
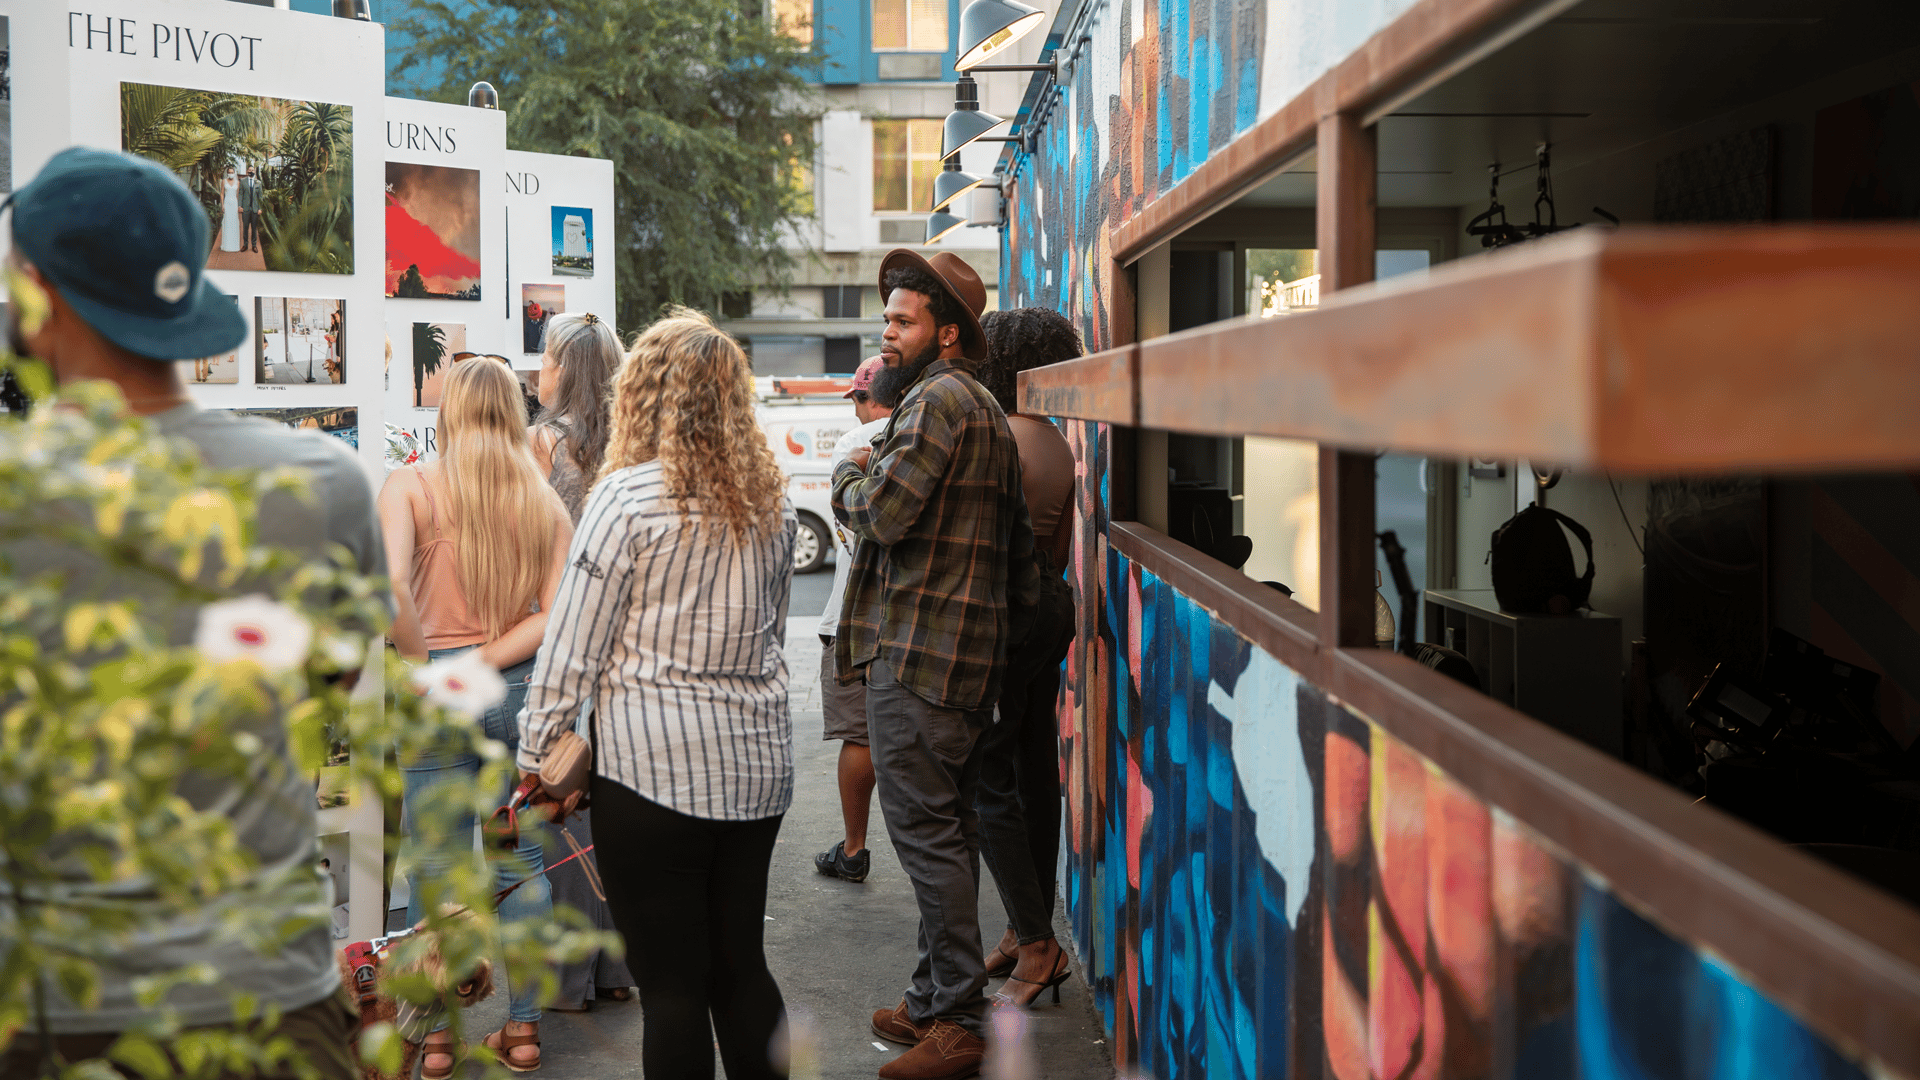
(317,273)
(551,197)
(444,217)
(36,107)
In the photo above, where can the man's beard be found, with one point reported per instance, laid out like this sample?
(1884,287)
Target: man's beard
(891,383)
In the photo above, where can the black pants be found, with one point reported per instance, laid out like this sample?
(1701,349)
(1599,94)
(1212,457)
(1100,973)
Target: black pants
(1019,802)
(689,895)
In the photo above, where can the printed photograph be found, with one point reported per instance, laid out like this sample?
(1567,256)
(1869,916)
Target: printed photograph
(6,109)
(214,369)
(437,346)
(572,241)
(275,175)
(539,303)
(340,421)
(299,340)
(433,232)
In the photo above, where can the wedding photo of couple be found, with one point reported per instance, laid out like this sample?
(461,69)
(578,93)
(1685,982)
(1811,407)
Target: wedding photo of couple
(238,247)
(274,175)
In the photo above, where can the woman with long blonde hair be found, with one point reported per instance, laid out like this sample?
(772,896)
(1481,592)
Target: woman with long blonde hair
(671,620)
(485,538)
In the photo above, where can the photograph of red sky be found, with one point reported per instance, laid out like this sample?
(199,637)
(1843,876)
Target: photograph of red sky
(433,232)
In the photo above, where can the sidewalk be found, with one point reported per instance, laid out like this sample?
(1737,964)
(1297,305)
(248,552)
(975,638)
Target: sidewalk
(839,950)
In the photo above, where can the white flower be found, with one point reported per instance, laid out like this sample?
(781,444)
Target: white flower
(254,627)
(342,650)
(465,684)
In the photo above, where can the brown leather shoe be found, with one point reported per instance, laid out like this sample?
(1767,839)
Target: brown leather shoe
(946,1052)
(894,1025)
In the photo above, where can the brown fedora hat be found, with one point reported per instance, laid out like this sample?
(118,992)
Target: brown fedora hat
(960,280)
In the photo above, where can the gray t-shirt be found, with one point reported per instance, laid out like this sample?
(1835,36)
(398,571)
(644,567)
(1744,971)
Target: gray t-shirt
(272,805)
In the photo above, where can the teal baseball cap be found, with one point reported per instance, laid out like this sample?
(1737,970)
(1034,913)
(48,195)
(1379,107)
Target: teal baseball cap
(126,244)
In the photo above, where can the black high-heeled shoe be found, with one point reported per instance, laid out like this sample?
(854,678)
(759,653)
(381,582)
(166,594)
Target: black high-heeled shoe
(1062,971)
(996,971)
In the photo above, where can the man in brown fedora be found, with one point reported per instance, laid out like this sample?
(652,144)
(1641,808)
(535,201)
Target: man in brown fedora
(945,547)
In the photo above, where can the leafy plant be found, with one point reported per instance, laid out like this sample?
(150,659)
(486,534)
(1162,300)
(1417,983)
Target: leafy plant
(700,104)
(103,715)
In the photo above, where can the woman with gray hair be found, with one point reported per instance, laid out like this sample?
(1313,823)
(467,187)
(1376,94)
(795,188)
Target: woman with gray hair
(576,375)
(570,437)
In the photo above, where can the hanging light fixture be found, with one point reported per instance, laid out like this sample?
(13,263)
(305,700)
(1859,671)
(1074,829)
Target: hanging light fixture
(988,27)
(967,123)
(952,183)
(939,224)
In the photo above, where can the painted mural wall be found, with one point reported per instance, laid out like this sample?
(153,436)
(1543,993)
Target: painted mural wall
(1263,883)
(1163,86)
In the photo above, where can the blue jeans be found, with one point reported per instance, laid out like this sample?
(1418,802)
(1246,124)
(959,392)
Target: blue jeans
(433,854)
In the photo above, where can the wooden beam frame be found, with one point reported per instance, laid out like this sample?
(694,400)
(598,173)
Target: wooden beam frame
(1344,221)
(1635,350)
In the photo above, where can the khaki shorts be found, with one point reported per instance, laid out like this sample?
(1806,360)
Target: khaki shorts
(845,706)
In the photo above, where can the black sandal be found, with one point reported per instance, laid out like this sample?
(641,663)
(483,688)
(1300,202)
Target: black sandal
(1062,971)
(995,971)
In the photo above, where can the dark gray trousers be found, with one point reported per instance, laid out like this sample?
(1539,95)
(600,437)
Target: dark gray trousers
(927,773)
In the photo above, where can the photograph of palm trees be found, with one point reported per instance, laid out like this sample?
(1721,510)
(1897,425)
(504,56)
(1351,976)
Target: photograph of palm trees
(436,345)
(275,175)
(433,232)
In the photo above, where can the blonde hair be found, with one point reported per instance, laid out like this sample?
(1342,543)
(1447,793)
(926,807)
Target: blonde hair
(684,397)
(506,542)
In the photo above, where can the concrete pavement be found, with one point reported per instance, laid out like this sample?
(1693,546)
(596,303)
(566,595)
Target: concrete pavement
(839,950)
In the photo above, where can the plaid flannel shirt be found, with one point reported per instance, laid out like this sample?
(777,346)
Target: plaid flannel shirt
(945,544)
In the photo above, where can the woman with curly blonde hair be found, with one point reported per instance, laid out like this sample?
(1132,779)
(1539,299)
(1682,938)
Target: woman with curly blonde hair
(671,620)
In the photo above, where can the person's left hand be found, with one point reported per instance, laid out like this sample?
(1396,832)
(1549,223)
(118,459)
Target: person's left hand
(860,457)
(557,810)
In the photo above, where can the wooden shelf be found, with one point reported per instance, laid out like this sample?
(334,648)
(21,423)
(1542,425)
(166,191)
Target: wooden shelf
(1637,349)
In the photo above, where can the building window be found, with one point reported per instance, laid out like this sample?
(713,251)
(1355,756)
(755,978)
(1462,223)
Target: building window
(841,302)
(794,18)
(909,25)
(906,158)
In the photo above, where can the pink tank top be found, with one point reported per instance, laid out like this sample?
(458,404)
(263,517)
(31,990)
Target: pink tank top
(444,617)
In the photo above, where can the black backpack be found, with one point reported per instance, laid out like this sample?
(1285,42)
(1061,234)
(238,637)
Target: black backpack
(1533,564)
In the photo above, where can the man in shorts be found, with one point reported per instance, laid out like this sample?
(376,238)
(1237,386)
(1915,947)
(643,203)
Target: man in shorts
(846,706)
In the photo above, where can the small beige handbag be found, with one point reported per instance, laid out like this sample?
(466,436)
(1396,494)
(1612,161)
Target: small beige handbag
(567,765)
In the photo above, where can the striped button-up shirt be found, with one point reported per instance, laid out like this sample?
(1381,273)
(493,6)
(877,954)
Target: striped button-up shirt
(675,630)
(944,543)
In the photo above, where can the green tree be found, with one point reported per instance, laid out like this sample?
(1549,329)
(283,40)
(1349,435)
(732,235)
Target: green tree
(429,341)
(700,105)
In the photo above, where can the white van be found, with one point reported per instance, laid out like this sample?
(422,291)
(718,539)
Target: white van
(803,417)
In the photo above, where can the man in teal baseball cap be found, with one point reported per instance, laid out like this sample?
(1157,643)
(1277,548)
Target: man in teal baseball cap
(105,275)
(116,244)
